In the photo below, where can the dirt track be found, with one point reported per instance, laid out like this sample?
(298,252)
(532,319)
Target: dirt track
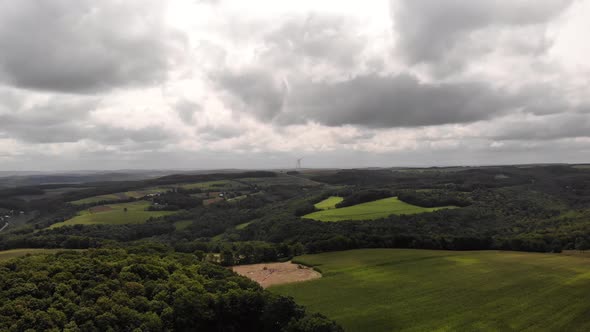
(276,273)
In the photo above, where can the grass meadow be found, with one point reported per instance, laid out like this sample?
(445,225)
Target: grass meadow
(424,290)
(219,185)
(114,214)
(371,210)
(119,196)
(183,224)
(329,203)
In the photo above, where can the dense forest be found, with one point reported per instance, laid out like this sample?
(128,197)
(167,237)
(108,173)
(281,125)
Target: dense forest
(534,209)
(257,217)
(141,288)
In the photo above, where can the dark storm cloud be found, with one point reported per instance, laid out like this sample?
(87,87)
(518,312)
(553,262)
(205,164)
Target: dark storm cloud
(430,29)
(397,101)
(84,46)
(380,101)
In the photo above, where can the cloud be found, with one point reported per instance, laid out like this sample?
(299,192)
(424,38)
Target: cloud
(397,101)
(53,120)
(85,46)
(62,119)
(543,128)
(212,83)
(458,31)
(186,110)
(253,90)
(327,39)
(382,101)
(220,132)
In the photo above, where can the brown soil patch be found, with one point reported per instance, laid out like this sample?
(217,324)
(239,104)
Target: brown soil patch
(276,273)
(102,208)
(121,195)
(212,201)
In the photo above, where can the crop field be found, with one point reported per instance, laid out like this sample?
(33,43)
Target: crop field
(114,214)
(49,193)
(268,274)
(284,180)
(425,290)
(219,185)
(120,196)
(371,210)
(329,203)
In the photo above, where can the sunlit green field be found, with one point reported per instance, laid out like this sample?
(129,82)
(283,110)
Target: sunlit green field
(371,210)
(136,214)
(329,203)
(424,290)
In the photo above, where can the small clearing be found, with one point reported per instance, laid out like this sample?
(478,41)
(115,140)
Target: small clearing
(277,273)
(329,203)
(101,208)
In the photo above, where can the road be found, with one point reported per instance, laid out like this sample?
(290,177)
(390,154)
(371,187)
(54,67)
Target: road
(3,227)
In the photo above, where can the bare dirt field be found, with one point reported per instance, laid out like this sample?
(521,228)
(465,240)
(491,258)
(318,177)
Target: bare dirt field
(276,273)
(101,208)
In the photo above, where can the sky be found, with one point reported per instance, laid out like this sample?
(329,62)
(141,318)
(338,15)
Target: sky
(203,84)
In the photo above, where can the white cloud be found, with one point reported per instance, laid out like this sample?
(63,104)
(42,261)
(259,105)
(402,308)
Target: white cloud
(230,83)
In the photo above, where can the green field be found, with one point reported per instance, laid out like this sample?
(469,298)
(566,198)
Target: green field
(371,210)
(183,224)
(280,180)
(220,185)
(136,214)
(329,203)
(244,225)
(120,196)
(425,290)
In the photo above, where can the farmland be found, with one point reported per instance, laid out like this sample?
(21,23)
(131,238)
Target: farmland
(371,210)
(114,214)
(219,185)
(284,180)
(328,203)
(119,196)
(426,290)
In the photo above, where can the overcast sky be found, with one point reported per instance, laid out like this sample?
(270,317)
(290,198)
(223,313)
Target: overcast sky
(113,84)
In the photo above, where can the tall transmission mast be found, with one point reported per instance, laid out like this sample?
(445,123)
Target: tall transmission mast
(299,163)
